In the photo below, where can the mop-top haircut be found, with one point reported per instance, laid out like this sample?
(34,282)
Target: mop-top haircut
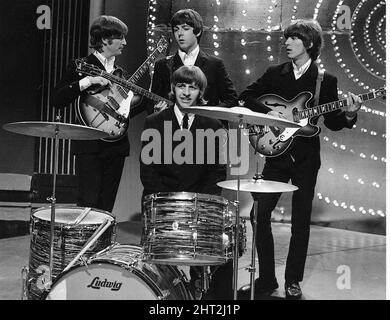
(107,28)
(189,75)
(310,32)
(190,17)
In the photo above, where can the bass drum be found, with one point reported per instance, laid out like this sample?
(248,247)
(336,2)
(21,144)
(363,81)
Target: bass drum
(118,273)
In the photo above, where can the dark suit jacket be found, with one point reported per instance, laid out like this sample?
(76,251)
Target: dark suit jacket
(280,80)
(220,89)
(172,177)
(66,91)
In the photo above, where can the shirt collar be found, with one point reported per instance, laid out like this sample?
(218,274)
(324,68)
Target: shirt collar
(180,116)
(191,56)
(107,63)
(300,71)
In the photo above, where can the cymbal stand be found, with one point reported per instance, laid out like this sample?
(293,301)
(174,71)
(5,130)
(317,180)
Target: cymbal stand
(252,268)
(52,200)
(205,280)
(236,227)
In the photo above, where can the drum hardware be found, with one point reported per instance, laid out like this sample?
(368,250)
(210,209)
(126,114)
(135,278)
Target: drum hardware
(56,130)
(102,228)
(256,185)
(24,276)
(205,280)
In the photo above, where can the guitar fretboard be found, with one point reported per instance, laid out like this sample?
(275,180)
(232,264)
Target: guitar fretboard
(123,83)
(141,70)
(162,44)
(335,105)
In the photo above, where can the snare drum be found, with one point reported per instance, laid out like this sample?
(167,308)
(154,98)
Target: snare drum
(182,228)
(119,273)
(69,239)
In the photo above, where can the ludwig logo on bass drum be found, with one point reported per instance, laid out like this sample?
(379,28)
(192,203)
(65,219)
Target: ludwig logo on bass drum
(97,284)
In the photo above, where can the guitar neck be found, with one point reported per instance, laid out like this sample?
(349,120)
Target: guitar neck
(141,70)
(130,86)
(332,106)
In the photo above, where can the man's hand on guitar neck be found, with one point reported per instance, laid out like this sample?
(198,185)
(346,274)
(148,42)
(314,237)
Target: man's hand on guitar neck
(354,103)
(89,81)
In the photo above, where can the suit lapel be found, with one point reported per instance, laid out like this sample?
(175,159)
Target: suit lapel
(92,59)
(200,59)
(177,63)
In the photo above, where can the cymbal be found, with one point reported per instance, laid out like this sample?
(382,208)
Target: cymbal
(258,186)
(48,130)
(236,114)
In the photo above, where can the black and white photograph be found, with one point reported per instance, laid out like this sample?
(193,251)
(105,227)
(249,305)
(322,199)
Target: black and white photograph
(199,153)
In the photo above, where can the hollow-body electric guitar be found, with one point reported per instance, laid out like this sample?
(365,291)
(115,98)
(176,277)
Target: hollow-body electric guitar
(274,141)
(107,108)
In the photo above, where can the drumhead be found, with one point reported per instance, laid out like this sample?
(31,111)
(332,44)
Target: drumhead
(101,281)
(68,215)
(119,273)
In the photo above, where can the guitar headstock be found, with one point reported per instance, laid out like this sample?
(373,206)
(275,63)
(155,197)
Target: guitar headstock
(380,93)
(86,68)
(162,44)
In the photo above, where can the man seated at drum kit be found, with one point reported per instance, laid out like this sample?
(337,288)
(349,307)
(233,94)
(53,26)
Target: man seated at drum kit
(183,212)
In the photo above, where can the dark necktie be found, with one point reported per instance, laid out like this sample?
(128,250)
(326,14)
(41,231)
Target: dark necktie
(185,121)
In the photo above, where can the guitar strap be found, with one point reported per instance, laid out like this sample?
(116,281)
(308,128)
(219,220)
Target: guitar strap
(320,77)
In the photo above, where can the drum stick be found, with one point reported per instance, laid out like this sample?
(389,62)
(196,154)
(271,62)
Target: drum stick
(82,215)
(90,242)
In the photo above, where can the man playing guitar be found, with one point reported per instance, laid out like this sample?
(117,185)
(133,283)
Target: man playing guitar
(301,162)
(99,163)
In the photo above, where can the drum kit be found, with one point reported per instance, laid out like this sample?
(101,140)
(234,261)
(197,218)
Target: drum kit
(73,252)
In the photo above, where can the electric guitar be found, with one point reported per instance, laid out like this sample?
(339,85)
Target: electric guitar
(107,108)
(274,141)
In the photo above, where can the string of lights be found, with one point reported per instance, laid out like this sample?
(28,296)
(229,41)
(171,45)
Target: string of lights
(360,181)
(362,155)
(343,147)
(353,208)
(367,41)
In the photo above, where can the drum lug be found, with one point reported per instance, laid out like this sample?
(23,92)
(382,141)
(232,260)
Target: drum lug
(24,275)
(183,277)
(34,235)
(101,252)
(165,294)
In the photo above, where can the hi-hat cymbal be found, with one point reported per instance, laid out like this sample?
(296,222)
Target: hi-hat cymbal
(258,186)
(49,129)
(236,114)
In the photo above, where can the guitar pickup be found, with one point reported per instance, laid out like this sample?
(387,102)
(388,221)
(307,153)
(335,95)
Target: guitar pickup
(295,115)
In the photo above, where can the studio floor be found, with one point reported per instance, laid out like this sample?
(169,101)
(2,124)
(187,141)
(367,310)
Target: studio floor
(341,264)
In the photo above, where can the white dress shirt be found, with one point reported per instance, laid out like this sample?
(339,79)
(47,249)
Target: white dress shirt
(298,72)
(189,58)
(180,116)
(108,64)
